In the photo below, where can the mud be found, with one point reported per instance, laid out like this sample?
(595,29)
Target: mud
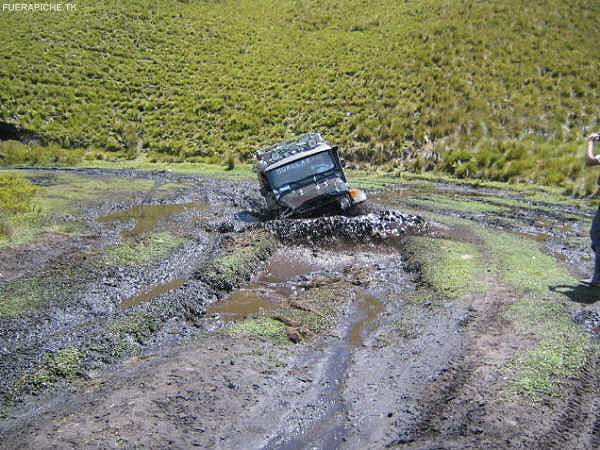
(319,339)
(147,217)
(376,226)
(153,293)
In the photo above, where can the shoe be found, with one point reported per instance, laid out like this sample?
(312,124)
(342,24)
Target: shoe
(590,282)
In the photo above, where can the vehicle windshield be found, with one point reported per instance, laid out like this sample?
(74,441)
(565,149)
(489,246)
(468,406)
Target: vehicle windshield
(303,168)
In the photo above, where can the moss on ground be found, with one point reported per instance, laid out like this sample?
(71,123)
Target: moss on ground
(561,352)
(454,203)
(71,192)
(448,268)
(17,297)
(150,249)
(521,263)
(28,211)
(239,261)
(263,327)
(561,347)
(126,335)
(62,365)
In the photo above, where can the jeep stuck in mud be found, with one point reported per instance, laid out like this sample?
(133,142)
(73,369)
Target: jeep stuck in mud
(303,177)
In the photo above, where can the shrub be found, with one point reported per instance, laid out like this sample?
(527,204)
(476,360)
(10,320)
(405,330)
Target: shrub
(16,194)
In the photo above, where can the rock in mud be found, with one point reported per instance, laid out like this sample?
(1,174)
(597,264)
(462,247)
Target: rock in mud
(376,226)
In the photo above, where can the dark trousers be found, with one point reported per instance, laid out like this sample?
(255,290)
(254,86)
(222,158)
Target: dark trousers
(595,235)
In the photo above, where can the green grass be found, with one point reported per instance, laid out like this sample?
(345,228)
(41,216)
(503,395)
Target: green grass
(561,352)
(557,348)
(520,263)
(472,89)
(561,347)
(454,203)
(19,296)
(241,259)
(264,327)
(450,268)
(62,365)
(19,209)
(28,211)
(152,248)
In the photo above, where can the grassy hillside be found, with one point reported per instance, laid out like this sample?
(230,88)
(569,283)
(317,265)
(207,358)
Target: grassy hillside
(502,89)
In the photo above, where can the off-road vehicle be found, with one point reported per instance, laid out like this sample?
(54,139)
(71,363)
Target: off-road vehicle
(304,177)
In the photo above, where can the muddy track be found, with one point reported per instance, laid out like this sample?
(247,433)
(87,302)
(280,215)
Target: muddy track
(578,424)
(213,364)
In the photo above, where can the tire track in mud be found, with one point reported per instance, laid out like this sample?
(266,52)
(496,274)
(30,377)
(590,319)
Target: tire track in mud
(329,430)
(578,425)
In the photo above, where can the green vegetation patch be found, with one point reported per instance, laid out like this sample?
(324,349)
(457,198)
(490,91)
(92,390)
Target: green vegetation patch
(561,352)
(239,261)
(62,365)
(73,192)
(19,209)
(454,202)
(447,267)
(150,249)
(16,153)
(521,263)
(264,327)
(393,81)
(125,336)
(17,297)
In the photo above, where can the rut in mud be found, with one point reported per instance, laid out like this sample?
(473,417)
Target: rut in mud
(174,317)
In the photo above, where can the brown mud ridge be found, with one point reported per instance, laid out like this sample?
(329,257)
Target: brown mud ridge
(286,334)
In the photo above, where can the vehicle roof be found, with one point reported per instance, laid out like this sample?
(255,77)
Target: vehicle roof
(282,162)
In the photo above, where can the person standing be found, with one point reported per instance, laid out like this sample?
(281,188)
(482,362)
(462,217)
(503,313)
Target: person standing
(594,160)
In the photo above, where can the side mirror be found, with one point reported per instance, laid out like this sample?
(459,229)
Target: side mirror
(342,162)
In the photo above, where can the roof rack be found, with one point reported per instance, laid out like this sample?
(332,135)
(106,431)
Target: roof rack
(305,142)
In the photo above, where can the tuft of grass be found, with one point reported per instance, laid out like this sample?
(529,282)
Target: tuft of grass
(19,209)
(448,267)
(62,365)
(561,352)
(20,296)
(239,261)
(521,263)
(422,100)
(264,327)
(125,336)
(150,249)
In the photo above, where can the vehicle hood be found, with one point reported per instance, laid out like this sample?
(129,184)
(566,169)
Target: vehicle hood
(324,188)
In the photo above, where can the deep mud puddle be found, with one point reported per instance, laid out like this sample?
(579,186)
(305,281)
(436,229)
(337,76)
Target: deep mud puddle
(369,308)
(147,217)
(269,288)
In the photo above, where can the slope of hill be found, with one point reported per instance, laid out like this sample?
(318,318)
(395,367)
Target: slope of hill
(499,89)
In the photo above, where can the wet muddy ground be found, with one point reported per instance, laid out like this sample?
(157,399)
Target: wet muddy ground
(170,316)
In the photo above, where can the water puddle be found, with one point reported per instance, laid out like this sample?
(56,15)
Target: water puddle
(370,308)
(153,293)
(146,217)
(282,268)
(266,291)
(241,304)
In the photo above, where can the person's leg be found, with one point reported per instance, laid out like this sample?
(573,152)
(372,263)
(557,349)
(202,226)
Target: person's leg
(595,235)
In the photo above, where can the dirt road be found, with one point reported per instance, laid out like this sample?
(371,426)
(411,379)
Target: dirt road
(171,316)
